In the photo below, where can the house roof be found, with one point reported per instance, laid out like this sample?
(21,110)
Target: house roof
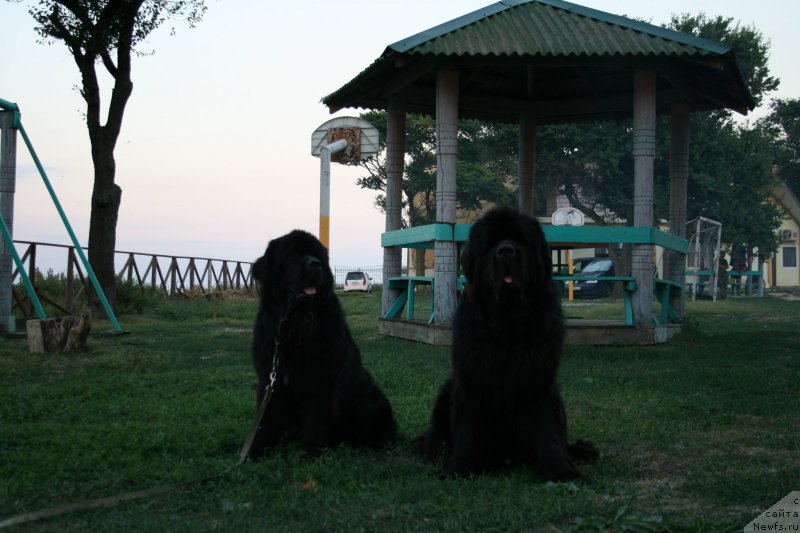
(563,61)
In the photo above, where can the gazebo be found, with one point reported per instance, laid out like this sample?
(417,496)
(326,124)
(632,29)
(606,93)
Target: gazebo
(544,62)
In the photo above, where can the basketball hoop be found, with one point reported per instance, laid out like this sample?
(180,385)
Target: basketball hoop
(341,140)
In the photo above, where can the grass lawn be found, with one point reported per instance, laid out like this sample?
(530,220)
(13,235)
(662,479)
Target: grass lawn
(698,434)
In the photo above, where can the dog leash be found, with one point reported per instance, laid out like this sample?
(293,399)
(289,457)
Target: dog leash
(273,375)
(112,501)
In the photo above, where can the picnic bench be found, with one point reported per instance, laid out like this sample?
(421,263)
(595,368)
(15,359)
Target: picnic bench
(559,237)
(407,286)
(664,291)
(752,279)
(742,283)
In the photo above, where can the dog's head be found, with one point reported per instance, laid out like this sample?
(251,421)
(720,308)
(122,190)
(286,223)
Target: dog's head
(506,255)
(294,268)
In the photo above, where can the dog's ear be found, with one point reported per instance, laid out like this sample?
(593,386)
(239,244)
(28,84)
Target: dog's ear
(468,262)
(260,269)
(541,250)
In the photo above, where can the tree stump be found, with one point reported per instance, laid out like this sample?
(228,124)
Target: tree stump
(56,335)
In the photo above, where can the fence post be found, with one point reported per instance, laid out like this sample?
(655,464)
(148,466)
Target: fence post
(153,267)
(173,267)
(191,274)
(70,276)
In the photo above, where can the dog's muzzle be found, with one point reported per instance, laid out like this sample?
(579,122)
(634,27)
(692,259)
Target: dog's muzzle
(312,268)
(505,254)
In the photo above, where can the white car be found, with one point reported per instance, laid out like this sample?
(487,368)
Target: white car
(357,281)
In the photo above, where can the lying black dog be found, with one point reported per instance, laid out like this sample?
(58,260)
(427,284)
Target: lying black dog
(502,404)
(323,396)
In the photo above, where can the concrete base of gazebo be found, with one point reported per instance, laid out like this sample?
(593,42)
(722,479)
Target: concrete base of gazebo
(597,332)
(416,331)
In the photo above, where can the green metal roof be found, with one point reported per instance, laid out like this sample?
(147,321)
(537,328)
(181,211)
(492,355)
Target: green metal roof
(561,60)
(550,28)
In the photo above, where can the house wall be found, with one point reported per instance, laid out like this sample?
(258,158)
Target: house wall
(785,273)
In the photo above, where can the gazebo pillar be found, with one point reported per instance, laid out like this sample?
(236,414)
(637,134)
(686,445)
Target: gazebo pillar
(679,175)
(8,168)
(527,162)
(444,303)
(644,151)
(395,157)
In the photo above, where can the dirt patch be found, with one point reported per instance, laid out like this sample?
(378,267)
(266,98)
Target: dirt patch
(786,295)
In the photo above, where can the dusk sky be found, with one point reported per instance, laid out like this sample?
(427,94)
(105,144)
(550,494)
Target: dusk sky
(214,156)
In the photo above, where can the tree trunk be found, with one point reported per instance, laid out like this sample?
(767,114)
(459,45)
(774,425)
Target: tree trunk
(106,196)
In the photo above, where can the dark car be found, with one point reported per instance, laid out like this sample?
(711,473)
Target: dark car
(587,286)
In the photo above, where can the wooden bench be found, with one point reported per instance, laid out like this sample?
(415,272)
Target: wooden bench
(752,278)
(698,280)
(665,290)
(407,286)
(628,284)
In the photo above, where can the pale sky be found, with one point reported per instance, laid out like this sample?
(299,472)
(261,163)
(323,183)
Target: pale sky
(214,156)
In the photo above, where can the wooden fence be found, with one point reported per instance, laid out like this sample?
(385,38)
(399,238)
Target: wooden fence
(174,275)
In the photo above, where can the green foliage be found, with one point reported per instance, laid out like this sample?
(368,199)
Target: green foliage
(486,165)
(96,27)
(784,122)
(730,178)
(749,45)
(686,431)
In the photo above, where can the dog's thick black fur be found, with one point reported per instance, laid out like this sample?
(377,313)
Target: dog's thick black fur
(502,405)
(323,396)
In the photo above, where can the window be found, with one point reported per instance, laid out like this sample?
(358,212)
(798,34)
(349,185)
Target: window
(789,255)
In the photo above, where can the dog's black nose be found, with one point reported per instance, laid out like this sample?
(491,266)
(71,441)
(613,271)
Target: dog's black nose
(312,263)
(506,249)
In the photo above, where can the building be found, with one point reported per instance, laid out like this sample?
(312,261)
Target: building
(782,269)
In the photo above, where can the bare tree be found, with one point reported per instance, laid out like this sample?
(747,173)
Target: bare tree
(106,32)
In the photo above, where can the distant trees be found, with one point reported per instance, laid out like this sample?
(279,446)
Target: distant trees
(486,167)
(106,32)
(784,121)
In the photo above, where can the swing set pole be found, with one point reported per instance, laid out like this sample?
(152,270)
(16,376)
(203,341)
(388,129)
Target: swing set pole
(98,290)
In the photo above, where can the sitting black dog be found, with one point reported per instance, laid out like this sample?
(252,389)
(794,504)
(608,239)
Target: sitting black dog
(322,396)
(502,405)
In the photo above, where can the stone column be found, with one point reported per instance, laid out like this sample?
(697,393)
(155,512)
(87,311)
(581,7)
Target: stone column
(8,163)
(644,151)
(446,157)
(527,162)
(395,156)
(679,176)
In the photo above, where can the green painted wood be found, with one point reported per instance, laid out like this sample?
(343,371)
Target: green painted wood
(559,236)
(397,306)
(665,290)
(418,236)
(574,277)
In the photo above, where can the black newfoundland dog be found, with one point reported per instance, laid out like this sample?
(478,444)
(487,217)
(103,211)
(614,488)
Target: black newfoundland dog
(502,405)
(322,396)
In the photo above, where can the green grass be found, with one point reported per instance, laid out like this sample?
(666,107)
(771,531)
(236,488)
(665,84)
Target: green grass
(697,434)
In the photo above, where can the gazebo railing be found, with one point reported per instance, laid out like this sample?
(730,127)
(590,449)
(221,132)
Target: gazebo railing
(559,237)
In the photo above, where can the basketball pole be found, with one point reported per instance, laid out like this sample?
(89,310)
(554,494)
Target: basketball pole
(325,189)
